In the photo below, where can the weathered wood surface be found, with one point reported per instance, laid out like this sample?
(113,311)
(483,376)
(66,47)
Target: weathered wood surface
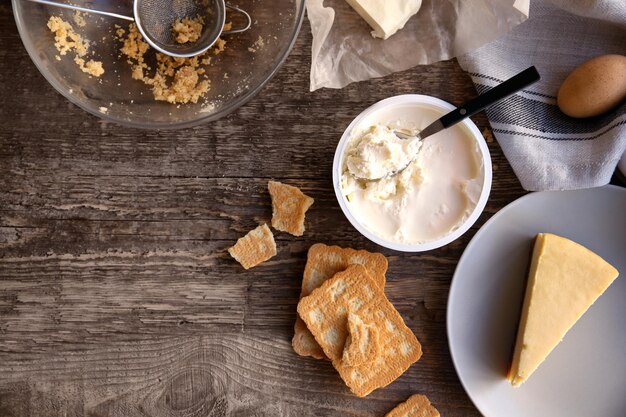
(117,297)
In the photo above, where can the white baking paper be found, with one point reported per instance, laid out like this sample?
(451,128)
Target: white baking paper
(344,50)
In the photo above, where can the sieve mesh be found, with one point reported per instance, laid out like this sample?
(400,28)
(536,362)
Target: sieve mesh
(155,18)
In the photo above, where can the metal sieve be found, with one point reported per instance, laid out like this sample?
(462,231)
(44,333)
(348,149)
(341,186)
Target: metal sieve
(154,19)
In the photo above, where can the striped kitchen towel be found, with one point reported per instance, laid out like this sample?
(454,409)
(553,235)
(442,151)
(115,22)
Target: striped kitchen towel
(547,149)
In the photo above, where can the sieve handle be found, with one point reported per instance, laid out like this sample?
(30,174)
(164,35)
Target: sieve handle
(84,9)
(241,12)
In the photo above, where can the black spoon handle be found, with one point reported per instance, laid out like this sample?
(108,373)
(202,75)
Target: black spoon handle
(495,94)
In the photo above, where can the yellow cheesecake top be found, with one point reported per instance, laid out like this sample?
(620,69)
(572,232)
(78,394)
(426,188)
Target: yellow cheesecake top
(564,280)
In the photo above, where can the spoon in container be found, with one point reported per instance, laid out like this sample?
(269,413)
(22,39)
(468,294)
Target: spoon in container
(492,96)
(154,19)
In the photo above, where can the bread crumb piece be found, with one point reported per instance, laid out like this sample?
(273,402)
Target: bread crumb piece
(208,108)
(79,19)
(488,135)
(91,67)
(67,40)
(104,109)
(218,46)
(258,44)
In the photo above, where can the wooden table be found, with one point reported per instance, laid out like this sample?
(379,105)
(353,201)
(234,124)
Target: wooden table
(117,295)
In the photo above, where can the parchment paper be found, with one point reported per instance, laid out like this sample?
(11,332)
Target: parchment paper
(344,50)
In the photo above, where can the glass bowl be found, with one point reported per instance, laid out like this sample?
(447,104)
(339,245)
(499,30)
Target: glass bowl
(236,75)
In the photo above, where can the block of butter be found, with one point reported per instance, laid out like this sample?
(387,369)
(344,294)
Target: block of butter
(386,17)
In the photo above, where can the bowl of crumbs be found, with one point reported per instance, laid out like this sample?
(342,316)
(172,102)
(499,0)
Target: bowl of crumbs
(106,66)
(431,191)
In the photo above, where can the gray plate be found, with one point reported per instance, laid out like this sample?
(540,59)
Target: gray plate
(585,375)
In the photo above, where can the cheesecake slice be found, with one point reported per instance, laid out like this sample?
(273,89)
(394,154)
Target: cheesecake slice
(564,280)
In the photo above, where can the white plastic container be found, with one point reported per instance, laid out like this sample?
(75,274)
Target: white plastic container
(384,110)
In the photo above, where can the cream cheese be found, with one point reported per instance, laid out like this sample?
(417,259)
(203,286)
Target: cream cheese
(426,201)
(378,152)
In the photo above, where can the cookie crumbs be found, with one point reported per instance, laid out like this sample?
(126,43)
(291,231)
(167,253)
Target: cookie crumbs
(67,40)
(208,108)
(175,80)
(185,87)
(187,30)
(488,135)
(79,19)
(258,44)
(90,67)
(218,46)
